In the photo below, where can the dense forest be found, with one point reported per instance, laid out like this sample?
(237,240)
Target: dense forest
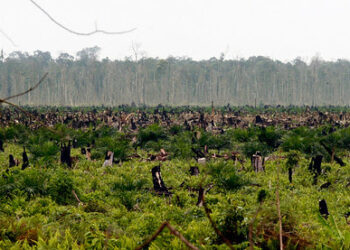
(84,80)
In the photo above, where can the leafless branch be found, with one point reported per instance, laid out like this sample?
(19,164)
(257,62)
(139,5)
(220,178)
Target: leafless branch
(20,94)
(80,33)
(8,38)
(30,89)
(279,208)
(77,198)
(17,107)
(173,231)
(217,231)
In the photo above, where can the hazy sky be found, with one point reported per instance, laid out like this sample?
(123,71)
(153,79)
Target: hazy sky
(199,29)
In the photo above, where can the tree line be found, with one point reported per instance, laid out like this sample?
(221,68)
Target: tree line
(84,80)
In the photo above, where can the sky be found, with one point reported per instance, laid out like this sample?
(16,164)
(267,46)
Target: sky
(199,29)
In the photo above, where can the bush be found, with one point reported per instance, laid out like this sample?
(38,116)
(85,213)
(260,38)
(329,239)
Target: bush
(152,133)
(225,176)
(33,182)
(60,187)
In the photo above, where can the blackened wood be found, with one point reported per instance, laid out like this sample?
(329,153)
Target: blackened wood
(158,183)
(65,155)
(194,171)
(198,153)
(315,165)
(290,175)
(12,162)
(25,159)
(323,208)
(325,185)
(258,119)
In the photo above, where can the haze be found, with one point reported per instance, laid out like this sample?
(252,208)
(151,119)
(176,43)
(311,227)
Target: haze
(202,29)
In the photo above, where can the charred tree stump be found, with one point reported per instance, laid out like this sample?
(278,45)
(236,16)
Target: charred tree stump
(199,153)
(323,208)
(315,167)
(12,162)
(194,171)
(325,185)
(290,174)
(258,119)
(65,155)
(158,184)
(1,146)
(25,159)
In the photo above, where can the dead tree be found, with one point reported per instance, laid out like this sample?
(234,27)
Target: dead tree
(158,184)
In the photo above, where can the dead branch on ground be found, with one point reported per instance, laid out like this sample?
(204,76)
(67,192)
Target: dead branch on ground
(173,231)
(217,231)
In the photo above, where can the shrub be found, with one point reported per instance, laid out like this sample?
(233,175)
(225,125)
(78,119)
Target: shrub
(225,176)
(60,187)
(152,133)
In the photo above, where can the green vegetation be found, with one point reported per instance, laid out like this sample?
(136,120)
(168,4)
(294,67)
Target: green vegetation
(116,207)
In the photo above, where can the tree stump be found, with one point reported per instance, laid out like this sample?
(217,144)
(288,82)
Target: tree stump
(158,184)
(258,162)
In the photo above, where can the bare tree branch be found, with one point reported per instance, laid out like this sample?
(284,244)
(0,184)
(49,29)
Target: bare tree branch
(27,91)
(77,198)
(173,231)
(8,38)
(217,231)
(17,107)
(80,33)
(279,208)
